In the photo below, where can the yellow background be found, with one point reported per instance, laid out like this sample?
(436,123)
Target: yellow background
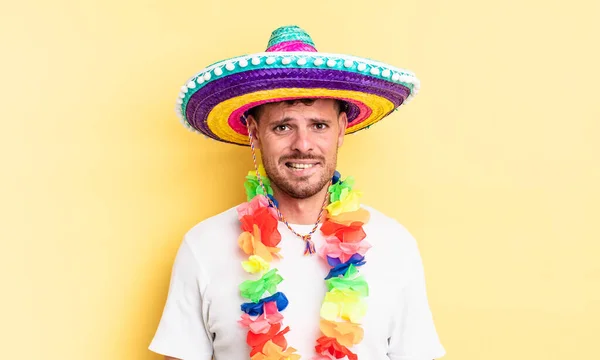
(494,167)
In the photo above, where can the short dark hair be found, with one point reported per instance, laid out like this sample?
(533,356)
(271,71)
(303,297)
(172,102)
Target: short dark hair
(340,105)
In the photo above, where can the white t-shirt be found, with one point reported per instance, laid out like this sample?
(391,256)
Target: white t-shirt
(203,306)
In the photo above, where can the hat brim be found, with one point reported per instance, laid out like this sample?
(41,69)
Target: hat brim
(214,101)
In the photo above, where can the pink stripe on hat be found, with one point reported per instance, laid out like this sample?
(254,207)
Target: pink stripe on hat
(294,45)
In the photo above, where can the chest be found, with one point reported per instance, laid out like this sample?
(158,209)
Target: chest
(304,286)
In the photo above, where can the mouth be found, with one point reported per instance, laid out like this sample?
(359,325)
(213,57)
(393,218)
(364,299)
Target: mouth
(302,168)
(299,166)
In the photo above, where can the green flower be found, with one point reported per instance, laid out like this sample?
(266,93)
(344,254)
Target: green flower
(341,189)
(253,187)
(352,280)
(253,290)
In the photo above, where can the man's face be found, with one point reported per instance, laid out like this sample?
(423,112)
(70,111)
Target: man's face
(299,144)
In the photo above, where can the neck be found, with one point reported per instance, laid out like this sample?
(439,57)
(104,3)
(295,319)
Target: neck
(300,211)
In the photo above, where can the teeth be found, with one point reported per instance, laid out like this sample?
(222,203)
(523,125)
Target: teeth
(300,166)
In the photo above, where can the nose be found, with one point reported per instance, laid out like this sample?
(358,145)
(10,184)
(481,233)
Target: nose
(302,141)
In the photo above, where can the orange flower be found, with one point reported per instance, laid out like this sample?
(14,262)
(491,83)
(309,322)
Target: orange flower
(346,333)
(272,351)
(347,218)
(250,243)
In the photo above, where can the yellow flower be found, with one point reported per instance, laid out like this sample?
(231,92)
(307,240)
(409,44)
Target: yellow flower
(345,304)
(349,201)
(255,264)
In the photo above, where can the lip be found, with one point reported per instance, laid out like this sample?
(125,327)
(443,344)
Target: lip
(304,162)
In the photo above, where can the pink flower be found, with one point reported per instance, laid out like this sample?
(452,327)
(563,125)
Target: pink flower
(335,248)
(249,208)
(262,324)
(257,212)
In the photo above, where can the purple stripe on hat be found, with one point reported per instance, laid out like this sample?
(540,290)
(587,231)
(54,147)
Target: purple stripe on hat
(207,97)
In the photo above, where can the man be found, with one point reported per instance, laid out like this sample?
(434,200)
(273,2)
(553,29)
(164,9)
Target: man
(248,283)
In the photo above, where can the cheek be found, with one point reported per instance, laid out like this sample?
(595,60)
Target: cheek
(272,150)
(329,148)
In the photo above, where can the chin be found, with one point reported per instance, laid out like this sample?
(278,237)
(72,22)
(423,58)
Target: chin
(303,187)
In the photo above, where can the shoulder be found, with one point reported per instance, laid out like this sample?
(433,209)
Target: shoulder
(215,234)
(387,231)
(214,224)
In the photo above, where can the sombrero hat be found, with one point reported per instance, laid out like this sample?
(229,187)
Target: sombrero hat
(214,101)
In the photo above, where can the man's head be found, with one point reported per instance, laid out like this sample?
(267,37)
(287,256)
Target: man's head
(299,140)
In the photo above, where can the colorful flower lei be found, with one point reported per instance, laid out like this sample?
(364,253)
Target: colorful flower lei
(344,250)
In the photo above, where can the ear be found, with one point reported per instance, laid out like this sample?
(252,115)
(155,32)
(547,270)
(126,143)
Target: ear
(343,124)
(252,125)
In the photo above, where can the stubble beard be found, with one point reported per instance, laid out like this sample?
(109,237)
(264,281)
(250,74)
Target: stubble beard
(298,191)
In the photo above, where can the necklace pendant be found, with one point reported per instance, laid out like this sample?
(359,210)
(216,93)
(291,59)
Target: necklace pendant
(310,246)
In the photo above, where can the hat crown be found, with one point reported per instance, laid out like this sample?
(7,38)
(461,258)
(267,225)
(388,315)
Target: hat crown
(290,38)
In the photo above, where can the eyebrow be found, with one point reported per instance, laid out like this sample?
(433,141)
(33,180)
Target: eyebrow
(288,119)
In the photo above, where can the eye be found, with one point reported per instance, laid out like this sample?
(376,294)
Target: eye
(280,128)
(321,126)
